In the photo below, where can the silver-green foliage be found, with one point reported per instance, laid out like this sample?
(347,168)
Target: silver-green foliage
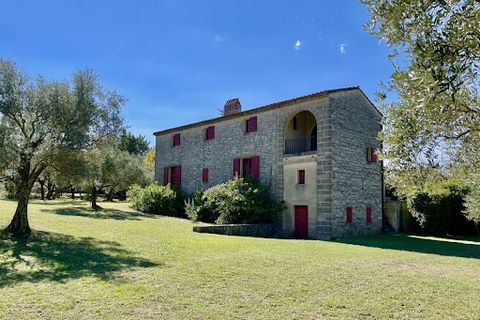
(433,132)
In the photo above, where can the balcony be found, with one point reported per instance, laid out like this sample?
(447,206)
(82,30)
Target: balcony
(293,146)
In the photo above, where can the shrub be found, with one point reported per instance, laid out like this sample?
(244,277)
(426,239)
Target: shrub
(155,199)
(235,201)
(442,214)
(195,210)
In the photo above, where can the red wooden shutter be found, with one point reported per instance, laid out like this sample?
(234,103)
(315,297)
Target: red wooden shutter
(368,215)
(256,167)
(252,123)
(165,175)
(205,175)
(210,133)
(179,176)
(236,167)
(349,215)
(176,139)
(374,155)
(301,176)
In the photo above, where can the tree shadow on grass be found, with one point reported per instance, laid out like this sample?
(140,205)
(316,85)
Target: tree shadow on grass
(465,248)
(99,214)
(46,256)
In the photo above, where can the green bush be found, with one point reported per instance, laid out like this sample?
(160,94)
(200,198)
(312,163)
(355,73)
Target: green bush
(235,201)
(155,199)
(441,214)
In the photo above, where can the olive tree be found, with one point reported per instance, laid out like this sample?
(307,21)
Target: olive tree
(432,131)
(39,118)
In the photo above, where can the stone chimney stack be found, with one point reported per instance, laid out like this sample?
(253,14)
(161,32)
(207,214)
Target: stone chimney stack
(232,106)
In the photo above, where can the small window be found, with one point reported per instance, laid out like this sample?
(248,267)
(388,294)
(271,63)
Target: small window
(294,123)
(210,133)
(349,215)
(251,124)
(371,155)
(301,177)
(176,139)
(368,214)
(205,175)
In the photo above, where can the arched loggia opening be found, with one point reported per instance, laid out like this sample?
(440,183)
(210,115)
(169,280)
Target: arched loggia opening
(300,133)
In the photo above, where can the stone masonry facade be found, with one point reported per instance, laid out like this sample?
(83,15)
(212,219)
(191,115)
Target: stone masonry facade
(347,124)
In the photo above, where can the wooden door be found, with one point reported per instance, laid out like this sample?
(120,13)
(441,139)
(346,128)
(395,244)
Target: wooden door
(301,222)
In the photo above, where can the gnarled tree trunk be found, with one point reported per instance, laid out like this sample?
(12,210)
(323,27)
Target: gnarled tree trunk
(94,194)
(19,224)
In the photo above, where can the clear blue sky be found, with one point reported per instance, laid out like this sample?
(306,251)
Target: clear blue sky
(178,61)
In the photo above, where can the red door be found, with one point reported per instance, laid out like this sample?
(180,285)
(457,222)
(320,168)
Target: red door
(301,222)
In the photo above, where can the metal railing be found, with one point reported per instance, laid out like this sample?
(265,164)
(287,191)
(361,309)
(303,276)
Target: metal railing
(301,145)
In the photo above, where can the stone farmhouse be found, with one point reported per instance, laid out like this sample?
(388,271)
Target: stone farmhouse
(316,152)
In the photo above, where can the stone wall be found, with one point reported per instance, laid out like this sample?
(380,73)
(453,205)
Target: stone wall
(320,108)
(247,230)
(230,142)
(356,183)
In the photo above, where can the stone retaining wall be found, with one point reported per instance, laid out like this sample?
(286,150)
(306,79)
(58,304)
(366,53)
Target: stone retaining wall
(248,230)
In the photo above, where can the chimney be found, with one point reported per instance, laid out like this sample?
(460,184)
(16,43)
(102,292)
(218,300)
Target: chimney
(232,106)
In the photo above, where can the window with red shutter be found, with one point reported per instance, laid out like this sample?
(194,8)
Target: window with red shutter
(255,167)
(177,176)
(176,139)
(251,124)
(371,155)
(301,176)
(236,167)
(210,133)
(165,175)
(368,215)
(349,215)
(374,155)
(205,175)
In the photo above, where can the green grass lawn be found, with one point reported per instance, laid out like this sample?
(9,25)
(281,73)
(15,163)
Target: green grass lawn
(118,263)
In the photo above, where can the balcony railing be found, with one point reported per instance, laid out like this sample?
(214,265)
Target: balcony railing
(301,145)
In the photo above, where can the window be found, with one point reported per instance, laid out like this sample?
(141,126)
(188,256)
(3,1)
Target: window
(176,139)
(368,214)
(172,175)
(205,175)
(301,177)
(349,215)
(247,167)
(176,176)
(210,133)
(251,124)
(371,155)
(166,170)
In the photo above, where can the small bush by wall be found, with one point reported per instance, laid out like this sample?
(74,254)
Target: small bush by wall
(156,199)
(235,201)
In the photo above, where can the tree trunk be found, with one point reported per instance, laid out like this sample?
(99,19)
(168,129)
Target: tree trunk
(72,191)
(42,189)
(19,224)
(94,199)
(110,196)
(50,188)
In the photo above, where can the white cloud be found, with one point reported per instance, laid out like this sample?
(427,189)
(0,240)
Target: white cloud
(343,48)
(297,45)
(217,38)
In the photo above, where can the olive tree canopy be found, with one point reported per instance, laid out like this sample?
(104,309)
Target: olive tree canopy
(39,118)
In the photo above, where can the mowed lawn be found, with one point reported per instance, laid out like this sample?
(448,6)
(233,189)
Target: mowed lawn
(117,263)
